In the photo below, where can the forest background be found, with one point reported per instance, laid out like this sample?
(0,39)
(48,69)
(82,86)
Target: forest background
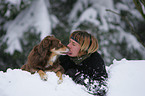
(119,26)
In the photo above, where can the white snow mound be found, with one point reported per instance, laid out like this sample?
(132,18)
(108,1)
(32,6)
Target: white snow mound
(127,78)
(21,83)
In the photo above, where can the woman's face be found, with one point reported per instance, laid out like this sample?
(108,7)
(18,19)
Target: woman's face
(74,48)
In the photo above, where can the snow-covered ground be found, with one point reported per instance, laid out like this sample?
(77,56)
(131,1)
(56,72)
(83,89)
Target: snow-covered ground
(126,78)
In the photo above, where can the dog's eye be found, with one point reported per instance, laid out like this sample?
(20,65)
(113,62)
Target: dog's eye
(60,45)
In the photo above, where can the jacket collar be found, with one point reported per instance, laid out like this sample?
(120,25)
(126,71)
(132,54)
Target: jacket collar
(78,60)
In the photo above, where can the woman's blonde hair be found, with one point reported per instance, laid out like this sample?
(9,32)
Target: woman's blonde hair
(89,43)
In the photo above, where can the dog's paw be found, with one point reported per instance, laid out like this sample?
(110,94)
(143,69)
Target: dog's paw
(44,78)
(42,75)
(59,81)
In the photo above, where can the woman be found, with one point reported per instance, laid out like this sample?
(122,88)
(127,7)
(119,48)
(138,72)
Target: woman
(84,64)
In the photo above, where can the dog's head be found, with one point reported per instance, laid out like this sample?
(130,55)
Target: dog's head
(52,44)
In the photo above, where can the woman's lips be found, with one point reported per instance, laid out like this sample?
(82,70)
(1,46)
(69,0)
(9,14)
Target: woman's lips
(69,53)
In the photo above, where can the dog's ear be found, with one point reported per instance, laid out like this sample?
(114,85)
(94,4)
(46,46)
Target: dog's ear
(42,50)
(43,47)
(47,41)
(50,36)
(47,37)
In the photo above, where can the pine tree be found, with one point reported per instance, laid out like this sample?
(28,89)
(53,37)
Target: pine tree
(113,33)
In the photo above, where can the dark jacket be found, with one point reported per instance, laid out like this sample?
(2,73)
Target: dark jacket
(92,70)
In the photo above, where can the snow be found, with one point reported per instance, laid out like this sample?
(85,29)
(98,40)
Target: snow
(33,16)
(143,7)
(21,83)
(14,1)
(121,6)
(90,14)
(130,39)
(126,78)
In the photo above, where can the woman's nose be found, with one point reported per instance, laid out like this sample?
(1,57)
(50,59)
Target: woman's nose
(68,45)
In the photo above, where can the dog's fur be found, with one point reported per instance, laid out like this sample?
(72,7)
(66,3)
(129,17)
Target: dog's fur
(43,57)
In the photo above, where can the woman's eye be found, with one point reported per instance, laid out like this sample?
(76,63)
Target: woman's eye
(73,44)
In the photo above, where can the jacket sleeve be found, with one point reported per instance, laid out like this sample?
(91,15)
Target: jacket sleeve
(97,66)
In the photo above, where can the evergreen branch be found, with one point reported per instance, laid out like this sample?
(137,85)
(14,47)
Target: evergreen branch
(131,27)
(139,6)
(143,1)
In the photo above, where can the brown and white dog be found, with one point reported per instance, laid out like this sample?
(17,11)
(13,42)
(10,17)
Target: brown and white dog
(43,57)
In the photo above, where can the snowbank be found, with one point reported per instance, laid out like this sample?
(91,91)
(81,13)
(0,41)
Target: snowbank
(21,83)
(126,78)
